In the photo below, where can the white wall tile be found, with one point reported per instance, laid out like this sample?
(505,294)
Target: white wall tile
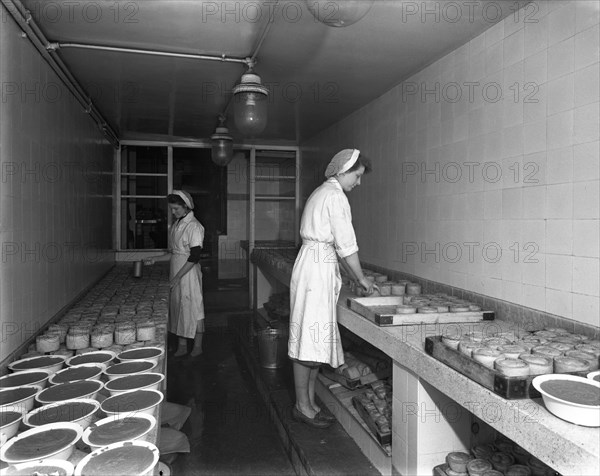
(534,137)
(586,276)
(561,24)
(559,272)
(586,48)
(586,309)
(559,201)
(559,166)
(586,123)
(586,161)
(514,48)
(534,202)
(586,200)
(587,13)
(561,59)
(560,130)
(561,94)
(559,302)
(586,85)
(559,237)
(586,240)
(534,296)
(536,36)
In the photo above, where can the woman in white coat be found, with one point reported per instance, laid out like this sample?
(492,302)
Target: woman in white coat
(327,234)
(186,306)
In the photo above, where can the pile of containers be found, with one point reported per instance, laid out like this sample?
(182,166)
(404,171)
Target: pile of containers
(551,350)
(502,458)
(90,385)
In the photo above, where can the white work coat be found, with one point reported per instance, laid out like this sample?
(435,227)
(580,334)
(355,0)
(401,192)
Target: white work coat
(326,231)
(186,306)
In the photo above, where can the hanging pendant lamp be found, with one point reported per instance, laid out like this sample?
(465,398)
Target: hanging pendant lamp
(222,144)
(340,13)
(250,104)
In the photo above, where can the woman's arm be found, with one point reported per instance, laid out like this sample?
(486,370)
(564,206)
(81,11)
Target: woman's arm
(181,273)
(353,263)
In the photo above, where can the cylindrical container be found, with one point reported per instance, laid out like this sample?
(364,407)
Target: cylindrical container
(486,356)
(47,342)
(512,367)
(77,339)
(538,364)
(570,364)
(512,351)
(125,333)
(413,289)
(398,289)
(146,330)
(102,338)
(138,267)
(273,347)
(589,358)
(477,467)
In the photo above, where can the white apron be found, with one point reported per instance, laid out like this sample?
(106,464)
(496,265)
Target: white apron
(326,231)
(186,304)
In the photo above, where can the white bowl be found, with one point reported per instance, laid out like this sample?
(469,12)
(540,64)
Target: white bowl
(60,467)
(127,403)
(157,351)
(49,395)
(23,403)
(593,374)
(88,433)
(121,380)
(70,373)
(114,460)
(585,415)
(10,428)
(52,413)
(38,378)
(98,356)
(110,371)
(30,364)
(62,451)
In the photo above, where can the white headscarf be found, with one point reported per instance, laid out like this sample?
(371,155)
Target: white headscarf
(186,197)
(341,162)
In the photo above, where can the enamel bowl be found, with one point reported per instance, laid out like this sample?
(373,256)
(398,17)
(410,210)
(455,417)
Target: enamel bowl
(581,414)
(55,440)
(51,363)
(80,411)
(18,399)
(26,377)
(118,428)
(128,457)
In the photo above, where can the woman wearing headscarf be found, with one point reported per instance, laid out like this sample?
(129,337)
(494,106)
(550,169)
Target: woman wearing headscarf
(186,306)
(327,235)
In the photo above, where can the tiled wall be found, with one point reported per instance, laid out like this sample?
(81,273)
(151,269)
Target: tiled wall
(55,193)
(495,192)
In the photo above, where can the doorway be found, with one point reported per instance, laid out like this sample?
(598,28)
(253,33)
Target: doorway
(195,172)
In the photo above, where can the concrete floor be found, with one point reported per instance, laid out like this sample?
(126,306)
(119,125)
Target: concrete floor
(229,428)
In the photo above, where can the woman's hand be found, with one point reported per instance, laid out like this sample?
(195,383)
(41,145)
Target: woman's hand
(368,286)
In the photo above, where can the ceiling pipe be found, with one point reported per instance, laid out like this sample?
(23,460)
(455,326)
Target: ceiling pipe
(222,58)
(25,21)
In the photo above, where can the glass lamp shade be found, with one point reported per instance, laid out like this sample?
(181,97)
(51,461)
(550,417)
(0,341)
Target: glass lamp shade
(250,105)
(222,147)
(339,13)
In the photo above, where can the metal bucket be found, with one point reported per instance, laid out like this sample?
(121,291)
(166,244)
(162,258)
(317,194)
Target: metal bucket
(273,348)
(137,269)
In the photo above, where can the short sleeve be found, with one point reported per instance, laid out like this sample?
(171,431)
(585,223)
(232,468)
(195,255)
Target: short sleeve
(195,235)
(340,218)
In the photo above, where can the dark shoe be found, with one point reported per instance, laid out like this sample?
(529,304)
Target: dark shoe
(314,422)
(328,417)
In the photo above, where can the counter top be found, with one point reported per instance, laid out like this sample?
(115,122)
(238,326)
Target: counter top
(568,448)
